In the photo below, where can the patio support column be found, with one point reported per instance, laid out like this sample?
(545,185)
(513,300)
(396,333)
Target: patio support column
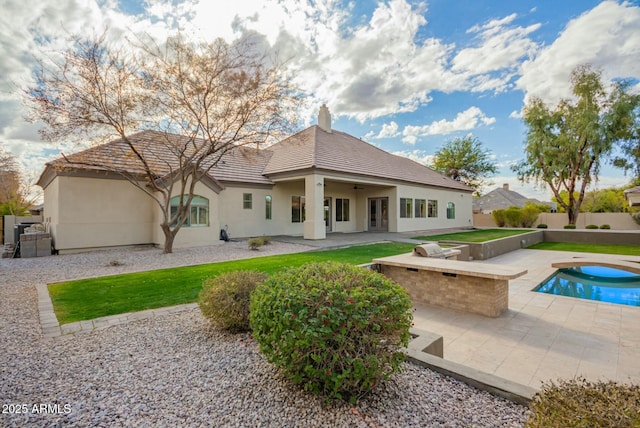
(314,226)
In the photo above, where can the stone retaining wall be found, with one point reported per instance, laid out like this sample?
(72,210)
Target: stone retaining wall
(489,249)
(484,296)
(610,237)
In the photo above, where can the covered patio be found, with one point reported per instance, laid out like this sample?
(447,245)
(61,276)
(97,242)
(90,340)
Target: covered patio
(342,204)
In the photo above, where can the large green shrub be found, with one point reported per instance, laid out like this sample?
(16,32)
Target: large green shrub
(517,217)
(336,329)
(498,217)
(225,299)
(512,216)
(580,403)
(529,215)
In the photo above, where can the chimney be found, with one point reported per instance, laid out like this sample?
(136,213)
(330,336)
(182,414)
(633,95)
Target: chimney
(324,118)
(505,186)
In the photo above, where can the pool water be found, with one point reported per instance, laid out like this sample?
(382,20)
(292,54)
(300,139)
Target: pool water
(599,283)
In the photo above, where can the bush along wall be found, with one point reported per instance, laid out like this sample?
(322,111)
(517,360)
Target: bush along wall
(333,328)
(516,217)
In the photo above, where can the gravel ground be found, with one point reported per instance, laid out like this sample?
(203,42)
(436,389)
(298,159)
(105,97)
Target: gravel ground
(178,371)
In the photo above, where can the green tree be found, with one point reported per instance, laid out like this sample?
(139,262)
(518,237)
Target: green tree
(564,196)
(14,198)
(609,200)
(565,145)
(465,160)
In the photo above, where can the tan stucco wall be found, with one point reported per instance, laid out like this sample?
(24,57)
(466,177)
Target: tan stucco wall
(617,221)
(462,201)
(93,212)
(252,222)
(51,206)
(633,198)
(335,190)
(192,236)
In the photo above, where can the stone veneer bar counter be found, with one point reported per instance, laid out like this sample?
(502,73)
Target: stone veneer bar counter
(479,288)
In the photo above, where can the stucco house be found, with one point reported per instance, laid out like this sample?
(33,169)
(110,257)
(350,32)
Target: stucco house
(503,198)
(633,196)
(315,182)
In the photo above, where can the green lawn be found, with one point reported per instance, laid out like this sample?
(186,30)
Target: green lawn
(110,295)
(474,235)
(627,250)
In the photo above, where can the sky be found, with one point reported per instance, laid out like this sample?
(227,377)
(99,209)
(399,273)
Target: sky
(407,76)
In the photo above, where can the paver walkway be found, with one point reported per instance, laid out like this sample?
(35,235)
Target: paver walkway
(542,336)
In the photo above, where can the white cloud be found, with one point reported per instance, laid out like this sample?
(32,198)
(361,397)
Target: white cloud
(515,114)
(389,130)
(419,156)
(27,26)
(607,37)
(383,65)
(505,163)
(379,69)
(542,191)
(466,120)
(366,71)
(500,47)
(528,190)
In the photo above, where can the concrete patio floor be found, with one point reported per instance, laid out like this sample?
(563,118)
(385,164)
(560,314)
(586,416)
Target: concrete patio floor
(542,337)
(335,240)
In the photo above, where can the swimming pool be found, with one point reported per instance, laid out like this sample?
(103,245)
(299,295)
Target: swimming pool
(599,283)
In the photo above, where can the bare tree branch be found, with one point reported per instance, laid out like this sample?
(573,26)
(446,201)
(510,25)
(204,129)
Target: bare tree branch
(215,96)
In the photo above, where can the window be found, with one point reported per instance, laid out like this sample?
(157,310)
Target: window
(421,208)
(267,207)
(342,209)
(451,210)
(432,209)
(198,211)
(405,207)
(247,201)
(297,209)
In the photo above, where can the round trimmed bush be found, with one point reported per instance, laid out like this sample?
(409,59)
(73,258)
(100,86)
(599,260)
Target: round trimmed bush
(334,328)
(225,299)
(605,226)
(542,226)
(591,226)
(570,226)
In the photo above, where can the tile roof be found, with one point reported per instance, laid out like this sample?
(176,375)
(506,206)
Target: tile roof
(502,198)
(633,190)
(159,149)
(341,152)
(310,148)
(116,155)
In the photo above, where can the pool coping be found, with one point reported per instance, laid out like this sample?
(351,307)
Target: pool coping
(629,266)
